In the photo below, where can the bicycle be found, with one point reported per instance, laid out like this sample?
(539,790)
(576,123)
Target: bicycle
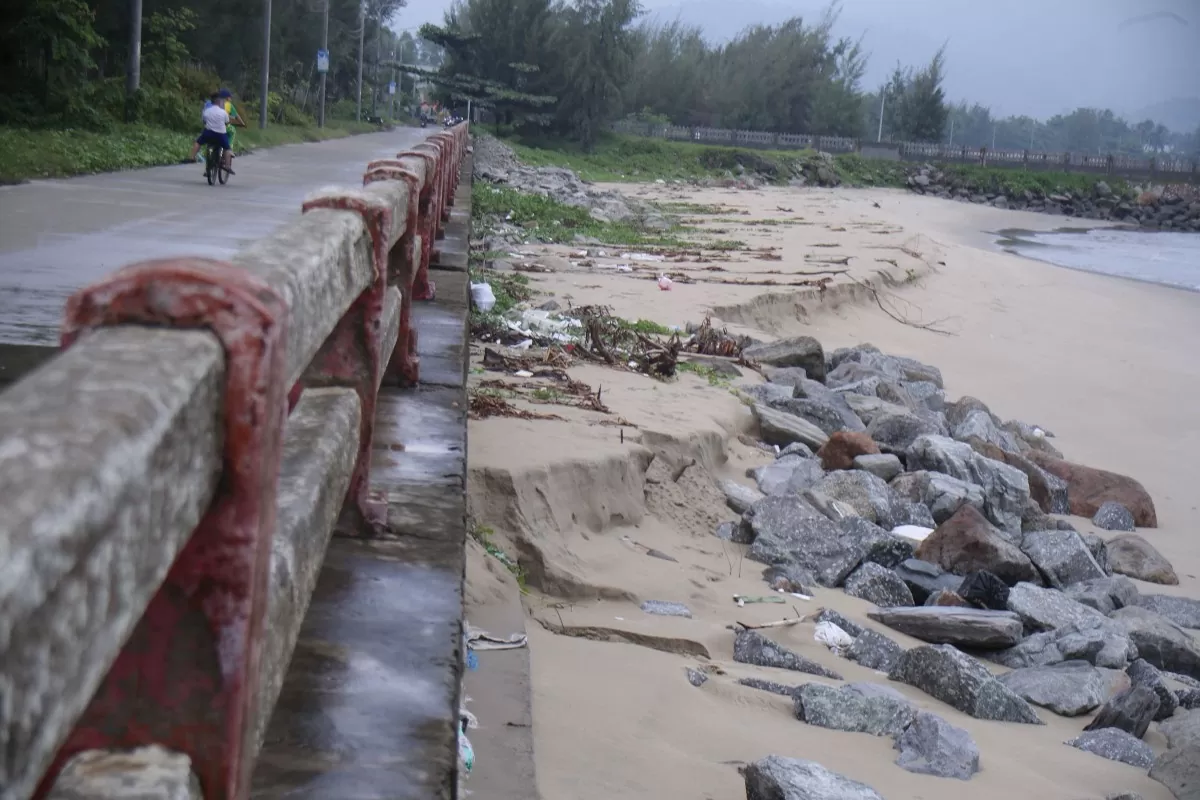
(214,165)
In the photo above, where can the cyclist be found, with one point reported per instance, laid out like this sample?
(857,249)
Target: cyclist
(216,131)
(234,117)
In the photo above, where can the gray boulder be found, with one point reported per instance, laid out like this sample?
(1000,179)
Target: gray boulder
(788,475)
(883,548)
(932,746)
(1181,729)
(867,406)
(963,627)
(726,531)
(867,494)
(780,428)
(801,351)
(1160,641)
(1178,769)
(812,390)
(768,686)
(979,424)
(1115,745)
(955,678)
(926,394)
(983,589)
(751,647)
(1062,557)
(779,778)
(1105,595)
(835,510)
(1132,710)
(785,376)
(789,579)
(847,708)
(884,466)
(834,618)
(909,513)
(878,585)
(1130,554)
(924,579)
(789,532)
(1068,689)
(900,430)
(795,449)
(941,494)
(1142,673)
(1046,609)
(696,677)
(874,651)
(1183,611)
(916,371)
(855,353)
(1112,516)
(1005,488)
(824,415)
(1094,641)
(738,497)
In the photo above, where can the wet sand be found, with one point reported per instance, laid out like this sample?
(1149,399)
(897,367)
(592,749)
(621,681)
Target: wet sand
(1107,365)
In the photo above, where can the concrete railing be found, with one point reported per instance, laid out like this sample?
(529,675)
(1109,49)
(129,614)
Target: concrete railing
(1165,168)
(173,476)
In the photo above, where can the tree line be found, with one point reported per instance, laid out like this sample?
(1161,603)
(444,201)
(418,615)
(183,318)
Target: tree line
(64,62)
(564,67)
(570,68)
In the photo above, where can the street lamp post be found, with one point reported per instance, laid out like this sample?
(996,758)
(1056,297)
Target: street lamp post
(362,32)
(133,75)
(882,101)
(325,47)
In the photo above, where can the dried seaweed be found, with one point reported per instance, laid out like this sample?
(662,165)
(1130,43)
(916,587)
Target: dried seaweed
(483,405)
(709,341)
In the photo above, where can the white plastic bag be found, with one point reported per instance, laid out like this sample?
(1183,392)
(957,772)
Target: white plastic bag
(482,296)
(832,637)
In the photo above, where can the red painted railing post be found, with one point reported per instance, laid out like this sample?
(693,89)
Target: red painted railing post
(423,288)
(185,678)
(351,355)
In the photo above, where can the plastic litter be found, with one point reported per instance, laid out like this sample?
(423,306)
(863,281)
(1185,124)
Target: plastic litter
(482,296)
(523,373)
(641,257)
(915,533)
(664,283)
(743,600)
(833,637)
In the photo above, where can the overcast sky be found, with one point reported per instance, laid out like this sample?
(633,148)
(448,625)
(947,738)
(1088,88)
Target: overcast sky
(1037,57)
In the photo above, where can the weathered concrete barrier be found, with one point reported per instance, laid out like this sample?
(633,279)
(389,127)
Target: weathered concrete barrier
(174,475)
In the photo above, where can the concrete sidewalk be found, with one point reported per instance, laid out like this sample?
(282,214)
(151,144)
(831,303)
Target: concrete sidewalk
(58,235)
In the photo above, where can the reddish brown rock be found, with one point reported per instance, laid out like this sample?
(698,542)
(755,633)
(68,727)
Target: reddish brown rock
(945,597)
(1089,488)
(842,448)
(967,542)
(1046,489)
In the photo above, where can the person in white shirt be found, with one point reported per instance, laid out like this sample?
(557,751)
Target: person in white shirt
(216,132)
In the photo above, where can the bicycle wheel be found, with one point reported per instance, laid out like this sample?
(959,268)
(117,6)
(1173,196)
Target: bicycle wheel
(222,170)
(210,165)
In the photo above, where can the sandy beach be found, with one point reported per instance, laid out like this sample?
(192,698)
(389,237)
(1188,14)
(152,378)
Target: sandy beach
(1108,365)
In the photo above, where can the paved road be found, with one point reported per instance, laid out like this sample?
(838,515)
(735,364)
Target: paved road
(58,235)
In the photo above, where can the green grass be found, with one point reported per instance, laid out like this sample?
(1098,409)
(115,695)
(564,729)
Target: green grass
(46,153)
(550,221)
(713,377)
(646,327)
(855,170)
(1040,184)
(483,535)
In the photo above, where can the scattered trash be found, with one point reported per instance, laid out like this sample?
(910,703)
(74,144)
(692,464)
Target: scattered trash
(743,600)
(832,637)
(641,257)
(523,373)
(482,640)
(916,533)
(664,283)
(482,296)
(780,623)
(665,608)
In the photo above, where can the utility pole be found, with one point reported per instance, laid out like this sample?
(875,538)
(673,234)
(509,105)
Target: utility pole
(265,83)
(952,131)
(325,47)
(133,75)
(882,102)
(375,76)
(362,32)
(994,128)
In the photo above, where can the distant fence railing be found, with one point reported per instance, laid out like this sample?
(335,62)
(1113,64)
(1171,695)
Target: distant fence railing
(172,478)
(1164,168)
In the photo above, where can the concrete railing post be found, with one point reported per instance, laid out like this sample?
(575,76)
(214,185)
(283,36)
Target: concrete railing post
(185,678)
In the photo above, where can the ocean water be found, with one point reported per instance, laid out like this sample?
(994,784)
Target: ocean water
(1172,259)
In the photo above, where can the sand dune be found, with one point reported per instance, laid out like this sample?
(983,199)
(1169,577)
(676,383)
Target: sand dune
(1108,365)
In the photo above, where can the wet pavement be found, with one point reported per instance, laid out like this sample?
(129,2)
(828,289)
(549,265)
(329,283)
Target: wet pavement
(370,700)
(58,235)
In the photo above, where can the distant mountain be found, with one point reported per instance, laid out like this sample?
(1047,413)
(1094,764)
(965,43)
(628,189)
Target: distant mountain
(1181,115)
